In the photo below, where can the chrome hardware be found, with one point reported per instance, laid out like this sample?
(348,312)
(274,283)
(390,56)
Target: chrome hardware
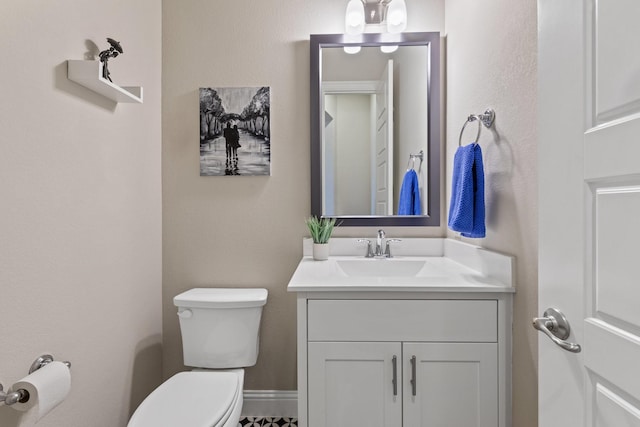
(13,397)
(387,250)
(556,326)
(22,395)
(413,157)
(486,119)
(42,361)
(379,239)
(380,242)
(369,253)
(414,383)
(394,381)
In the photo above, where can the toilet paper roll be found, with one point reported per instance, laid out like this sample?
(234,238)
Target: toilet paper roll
(47,388)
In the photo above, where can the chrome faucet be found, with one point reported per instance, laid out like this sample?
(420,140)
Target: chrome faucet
(379,240)
(379,252)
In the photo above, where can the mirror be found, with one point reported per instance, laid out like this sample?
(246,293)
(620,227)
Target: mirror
(374,117)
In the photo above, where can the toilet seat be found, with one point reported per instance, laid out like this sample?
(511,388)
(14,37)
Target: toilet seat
(192,399)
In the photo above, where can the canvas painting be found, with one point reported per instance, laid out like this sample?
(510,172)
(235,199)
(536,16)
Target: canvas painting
(235,137)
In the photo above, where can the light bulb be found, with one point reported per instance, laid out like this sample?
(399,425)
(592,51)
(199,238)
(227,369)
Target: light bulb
(397,16)
(389,48)
(351,49)
(354,17)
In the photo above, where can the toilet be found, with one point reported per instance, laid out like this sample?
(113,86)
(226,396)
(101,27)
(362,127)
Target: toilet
(220,336)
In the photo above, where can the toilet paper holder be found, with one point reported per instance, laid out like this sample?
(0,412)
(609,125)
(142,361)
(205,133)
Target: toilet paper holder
(21,395)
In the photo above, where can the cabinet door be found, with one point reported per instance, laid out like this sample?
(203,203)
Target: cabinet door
(351,384)
(456,384)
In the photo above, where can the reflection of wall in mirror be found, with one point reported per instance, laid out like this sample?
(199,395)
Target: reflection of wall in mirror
(347,154)
(411,131)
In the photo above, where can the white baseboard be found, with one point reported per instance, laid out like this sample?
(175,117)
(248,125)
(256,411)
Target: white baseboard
(270,403)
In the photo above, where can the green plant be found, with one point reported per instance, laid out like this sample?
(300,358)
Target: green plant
(320,228)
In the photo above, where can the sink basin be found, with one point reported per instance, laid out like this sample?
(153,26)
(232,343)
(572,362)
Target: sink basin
(380,267)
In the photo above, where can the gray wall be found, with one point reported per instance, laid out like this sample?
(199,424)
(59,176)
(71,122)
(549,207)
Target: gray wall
(80,181)
(245,231)
(491,62)
(80,189)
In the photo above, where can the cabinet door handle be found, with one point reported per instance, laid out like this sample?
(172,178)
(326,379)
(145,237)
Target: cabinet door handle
(413,375)
(394,381)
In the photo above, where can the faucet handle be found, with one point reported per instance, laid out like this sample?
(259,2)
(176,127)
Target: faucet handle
(387,250)
(369,253)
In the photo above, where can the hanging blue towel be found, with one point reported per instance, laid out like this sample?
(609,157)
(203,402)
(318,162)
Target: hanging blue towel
(466,212)
(409,203)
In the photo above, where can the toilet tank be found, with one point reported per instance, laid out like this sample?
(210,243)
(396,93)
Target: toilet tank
(220,326)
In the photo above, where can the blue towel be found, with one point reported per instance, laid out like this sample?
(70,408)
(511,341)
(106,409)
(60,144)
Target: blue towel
(409,203)
(466,212)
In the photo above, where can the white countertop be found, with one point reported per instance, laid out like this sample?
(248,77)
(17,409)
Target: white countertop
(459,267)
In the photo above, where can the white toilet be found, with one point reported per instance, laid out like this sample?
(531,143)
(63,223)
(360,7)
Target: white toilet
(220,331)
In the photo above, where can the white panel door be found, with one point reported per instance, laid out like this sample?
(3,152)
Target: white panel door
(454,384)
(351,384)
(589,183)
(384,143)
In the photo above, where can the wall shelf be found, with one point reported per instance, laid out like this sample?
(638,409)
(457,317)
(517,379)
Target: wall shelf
(89,75)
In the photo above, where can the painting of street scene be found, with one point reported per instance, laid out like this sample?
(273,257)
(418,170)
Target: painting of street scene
(235,137)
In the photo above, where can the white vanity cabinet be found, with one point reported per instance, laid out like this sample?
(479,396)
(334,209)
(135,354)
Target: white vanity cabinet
(427,349)
(394,384)
(456,384)
(419,362)
(350,384)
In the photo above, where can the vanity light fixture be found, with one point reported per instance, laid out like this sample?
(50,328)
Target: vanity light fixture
(397,16)
(354,23)
(360,13)
(354,17)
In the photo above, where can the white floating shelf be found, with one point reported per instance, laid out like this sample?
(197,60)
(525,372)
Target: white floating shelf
(89,74)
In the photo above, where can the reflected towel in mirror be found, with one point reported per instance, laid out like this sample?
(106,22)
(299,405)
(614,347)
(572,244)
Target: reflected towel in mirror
(409,203)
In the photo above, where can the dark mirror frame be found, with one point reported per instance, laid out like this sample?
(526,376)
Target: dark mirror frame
(433,149)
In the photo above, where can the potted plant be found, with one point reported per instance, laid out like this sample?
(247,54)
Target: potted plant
(320,230)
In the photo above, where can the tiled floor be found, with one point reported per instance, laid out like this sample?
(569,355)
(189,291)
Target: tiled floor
(268,422)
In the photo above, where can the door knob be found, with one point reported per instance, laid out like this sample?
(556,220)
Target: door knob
(556,326)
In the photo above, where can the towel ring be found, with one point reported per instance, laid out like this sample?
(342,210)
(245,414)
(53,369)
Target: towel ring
(413,157)
(486,119)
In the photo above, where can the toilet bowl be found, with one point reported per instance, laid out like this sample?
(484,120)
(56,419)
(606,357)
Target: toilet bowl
(220,336)
(194,399)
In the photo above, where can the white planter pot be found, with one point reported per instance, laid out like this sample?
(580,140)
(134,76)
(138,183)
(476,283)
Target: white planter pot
(321,251)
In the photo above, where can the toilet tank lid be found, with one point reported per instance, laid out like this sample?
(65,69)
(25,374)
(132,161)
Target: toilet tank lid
(222,298)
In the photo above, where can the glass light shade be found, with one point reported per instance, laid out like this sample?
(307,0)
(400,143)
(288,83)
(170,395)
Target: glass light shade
(397,16)
(389,48)
(351,49)
(354,17)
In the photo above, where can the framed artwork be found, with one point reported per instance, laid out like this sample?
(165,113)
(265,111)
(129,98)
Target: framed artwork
(235,131)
